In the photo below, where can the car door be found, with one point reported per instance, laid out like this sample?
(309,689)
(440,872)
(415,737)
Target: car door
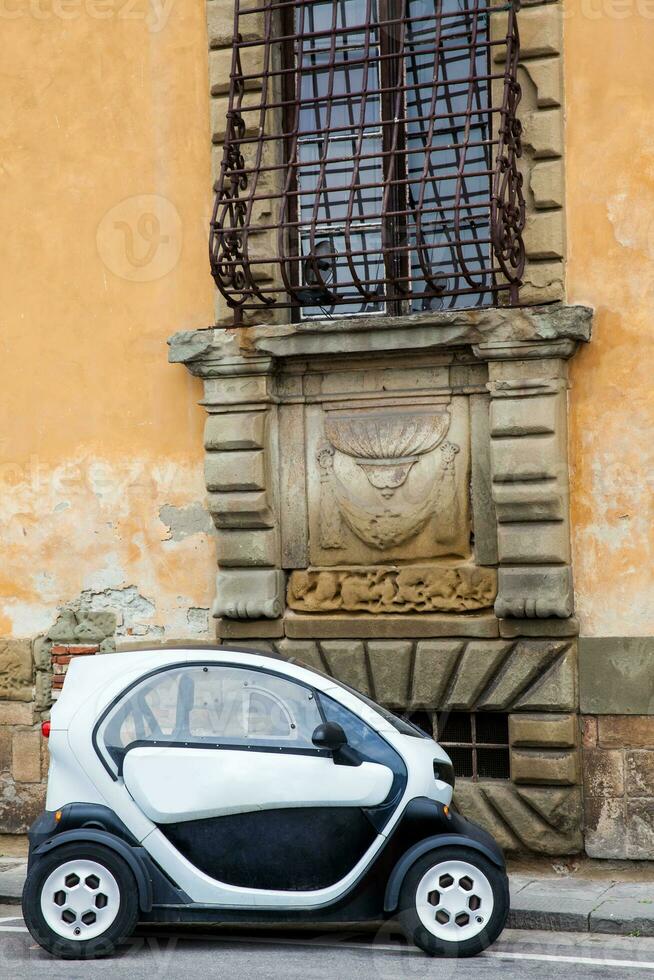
(220,757)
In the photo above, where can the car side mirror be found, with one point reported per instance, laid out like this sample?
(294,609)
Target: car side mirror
(329,735)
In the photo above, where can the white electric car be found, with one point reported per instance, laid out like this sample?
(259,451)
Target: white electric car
(205,785)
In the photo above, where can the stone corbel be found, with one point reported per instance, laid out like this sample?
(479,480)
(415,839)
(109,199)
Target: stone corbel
(529,476)
(240,442)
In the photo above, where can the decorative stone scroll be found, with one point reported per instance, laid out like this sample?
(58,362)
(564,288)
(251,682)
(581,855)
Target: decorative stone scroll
(383,589)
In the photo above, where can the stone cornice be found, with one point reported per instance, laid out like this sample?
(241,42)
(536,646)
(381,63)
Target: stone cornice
(505,332)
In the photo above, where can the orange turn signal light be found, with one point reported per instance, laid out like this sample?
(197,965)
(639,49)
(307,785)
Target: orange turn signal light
(58,816)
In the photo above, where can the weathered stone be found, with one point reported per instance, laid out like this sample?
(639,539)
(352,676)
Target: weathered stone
(248,628)
(433,666)
(616,675)
(235,470)
(603,772)
(63,630)
(539,627)
(390,666)
(241,548)
(539,592)
(546,75)
(429,331)
(626,731)
(605,827)
(5,749)
(536,543)
(526,664)
(255,593)
(344,626)
(543,132)
(26,757)
(41,653)
(477,665)
(220,65)
(301,650)
(42,692)
(392,589)
(101,621)
(540,31)
(483,511)
(347,661)
(241,510)
(640,827)
(220,25)
(16,713)
(556,689)
(546,182)
(546,730)
(519,417)
(639,768)
(538,766)
(16,670)
(473,804)
(20,805)
(544,235)
(544,819)
(235,430)
(589,732)
(558,806)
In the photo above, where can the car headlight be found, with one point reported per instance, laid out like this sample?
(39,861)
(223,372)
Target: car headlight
(444,771)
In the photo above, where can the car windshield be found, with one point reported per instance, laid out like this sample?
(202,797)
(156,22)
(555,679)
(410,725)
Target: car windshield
(399,724)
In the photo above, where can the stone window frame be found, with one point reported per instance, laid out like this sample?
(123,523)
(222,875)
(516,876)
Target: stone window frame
(540,74)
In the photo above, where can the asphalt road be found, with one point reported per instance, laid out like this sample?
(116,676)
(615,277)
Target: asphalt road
(155,954)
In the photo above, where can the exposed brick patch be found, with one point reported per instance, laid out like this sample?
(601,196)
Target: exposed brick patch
(61,656)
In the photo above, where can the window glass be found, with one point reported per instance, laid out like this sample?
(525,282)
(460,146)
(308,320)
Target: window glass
(212,704)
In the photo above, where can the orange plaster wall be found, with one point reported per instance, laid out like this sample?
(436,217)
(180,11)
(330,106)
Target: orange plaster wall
(106,191)
(610,220)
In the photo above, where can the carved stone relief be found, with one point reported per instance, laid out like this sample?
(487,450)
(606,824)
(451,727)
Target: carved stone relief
(384,589)
(389,482)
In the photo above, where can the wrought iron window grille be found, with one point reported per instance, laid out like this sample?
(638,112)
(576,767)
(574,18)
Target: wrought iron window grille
(477,742)
(370,158)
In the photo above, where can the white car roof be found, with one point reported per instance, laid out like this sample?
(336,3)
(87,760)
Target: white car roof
(103,677)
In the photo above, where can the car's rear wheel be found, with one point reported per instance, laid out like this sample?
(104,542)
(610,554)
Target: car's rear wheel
(454,902)
(80,901)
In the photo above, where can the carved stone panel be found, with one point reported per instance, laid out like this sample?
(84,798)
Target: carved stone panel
(388,481)
(388,589)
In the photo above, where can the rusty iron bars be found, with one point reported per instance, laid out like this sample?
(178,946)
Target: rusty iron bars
(370,158)
(476,742)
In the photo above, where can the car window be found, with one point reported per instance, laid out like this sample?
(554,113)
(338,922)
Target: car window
(211,704)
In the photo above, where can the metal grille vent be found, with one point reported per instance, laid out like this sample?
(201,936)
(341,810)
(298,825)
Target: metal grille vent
(370,158)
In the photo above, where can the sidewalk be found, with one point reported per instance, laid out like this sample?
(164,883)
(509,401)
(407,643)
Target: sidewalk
(549,901)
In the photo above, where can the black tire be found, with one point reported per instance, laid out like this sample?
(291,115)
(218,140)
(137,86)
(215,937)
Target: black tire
(435,945)
(116,932)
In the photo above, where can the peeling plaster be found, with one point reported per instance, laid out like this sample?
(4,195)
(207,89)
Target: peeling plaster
(198,621)
(185,521)
(132,610)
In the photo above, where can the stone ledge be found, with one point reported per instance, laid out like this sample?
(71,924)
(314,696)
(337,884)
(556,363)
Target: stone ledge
(616,675)
(389,626)
(212,350)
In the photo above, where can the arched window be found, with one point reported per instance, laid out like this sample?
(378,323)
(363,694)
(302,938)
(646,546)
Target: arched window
(370,158)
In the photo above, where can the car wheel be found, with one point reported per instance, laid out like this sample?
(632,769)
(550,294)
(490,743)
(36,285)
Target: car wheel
(454,902)
(80,901)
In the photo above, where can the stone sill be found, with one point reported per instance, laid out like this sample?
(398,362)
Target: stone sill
(557,326)
(396,626)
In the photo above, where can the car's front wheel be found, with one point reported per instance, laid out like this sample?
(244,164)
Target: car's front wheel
(80,901)
(454,902)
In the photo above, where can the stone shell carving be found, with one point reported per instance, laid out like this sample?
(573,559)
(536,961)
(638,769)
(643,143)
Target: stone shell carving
(386,445)
(384,589)
(388,524)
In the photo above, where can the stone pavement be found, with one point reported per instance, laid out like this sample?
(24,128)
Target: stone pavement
(553,902)
(577,904)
